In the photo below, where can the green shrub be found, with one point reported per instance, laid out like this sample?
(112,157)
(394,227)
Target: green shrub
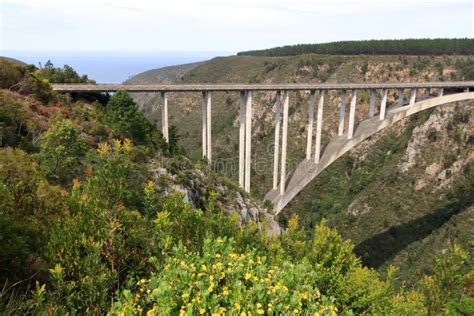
(61,151)
(126,119)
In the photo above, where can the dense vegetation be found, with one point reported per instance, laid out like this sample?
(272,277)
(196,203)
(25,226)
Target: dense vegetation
(85,229)
(439,46)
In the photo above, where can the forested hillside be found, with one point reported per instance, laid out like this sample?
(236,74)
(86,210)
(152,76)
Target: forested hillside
(384,226)
(422,47)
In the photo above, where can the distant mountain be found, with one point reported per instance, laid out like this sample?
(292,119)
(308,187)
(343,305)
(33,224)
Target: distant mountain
(12,60)
(168,74)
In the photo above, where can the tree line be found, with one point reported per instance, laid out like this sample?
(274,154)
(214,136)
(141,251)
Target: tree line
(425,46)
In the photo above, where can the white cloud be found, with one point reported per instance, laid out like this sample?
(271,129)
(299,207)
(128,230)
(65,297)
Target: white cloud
(221,25)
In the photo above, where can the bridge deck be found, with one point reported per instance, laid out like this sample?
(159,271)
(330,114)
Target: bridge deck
(253,87)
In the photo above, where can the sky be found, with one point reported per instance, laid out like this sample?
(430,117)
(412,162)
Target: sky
(219,25)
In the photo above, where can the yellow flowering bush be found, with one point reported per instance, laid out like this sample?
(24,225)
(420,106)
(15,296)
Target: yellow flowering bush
(221,281)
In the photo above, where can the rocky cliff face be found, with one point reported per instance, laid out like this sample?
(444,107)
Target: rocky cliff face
(197,186)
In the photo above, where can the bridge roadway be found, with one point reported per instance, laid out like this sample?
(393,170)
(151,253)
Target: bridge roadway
(287,185)
(255,87)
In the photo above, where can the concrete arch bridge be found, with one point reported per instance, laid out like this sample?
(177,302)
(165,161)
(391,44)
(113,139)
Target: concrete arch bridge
(287,186)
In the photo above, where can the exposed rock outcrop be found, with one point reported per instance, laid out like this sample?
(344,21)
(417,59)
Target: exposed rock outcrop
(196,188)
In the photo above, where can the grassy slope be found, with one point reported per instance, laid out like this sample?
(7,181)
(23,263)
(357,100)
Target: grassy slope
(363,198)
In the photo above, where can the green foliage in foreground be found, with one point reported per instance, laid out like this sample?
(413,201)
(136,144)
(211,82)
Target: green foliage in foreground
(166,257)
(425,46)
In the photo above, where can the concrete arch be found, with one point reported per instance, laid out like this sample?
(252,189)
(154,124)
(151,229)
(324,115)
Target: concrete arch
(339,145)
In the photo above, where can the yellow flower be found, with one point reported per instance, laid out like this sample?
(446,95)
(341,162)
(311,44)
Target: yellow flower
(103,149)
(296,311)
(219,240)
(185,296)
(260,311)
(318,294)
(317,314)
(151,312)
(117,145)
(127,145)
(225,292)
(243,314)
(76,183)
(202,311)
(211,287)
(305,296)
(237,306)
(203,267)
(182,312)
(149,187)
(247,276)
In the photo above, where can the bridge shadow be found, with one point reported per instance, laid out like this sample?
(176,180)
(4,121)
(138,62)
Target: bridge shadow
(378,249)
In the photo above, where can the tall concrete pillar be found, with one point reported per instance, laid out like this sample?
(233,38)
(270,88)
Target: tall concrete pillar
(164,116)
(204,126)
(319,123)
(383,104)
(372,103)
(242,139)
(342,113)
(400,97)
(276,148)
(208,125)
(286,102)
(248,138)
(440,92)
(413,96)
(310,125)
(350,132)
(466,90)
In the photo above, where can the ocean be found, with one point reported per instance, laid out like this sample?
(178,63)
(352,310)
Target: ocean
(112,67)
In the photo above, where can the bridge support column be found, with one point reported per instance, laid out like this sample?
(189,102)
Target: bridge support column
(383,104)
(466,90)
(204,125)
(248,138)
(400,97)
(372,103)
(243,100)
(413,96)
(310,125)
(276,148)
(350,132)
(286,102)
(209,129)
(342,113)
(440,92)
(319,123)
(164,116)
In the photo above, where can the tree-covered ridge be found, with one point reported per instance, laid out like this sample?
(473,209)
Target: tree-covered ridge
(439,46)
